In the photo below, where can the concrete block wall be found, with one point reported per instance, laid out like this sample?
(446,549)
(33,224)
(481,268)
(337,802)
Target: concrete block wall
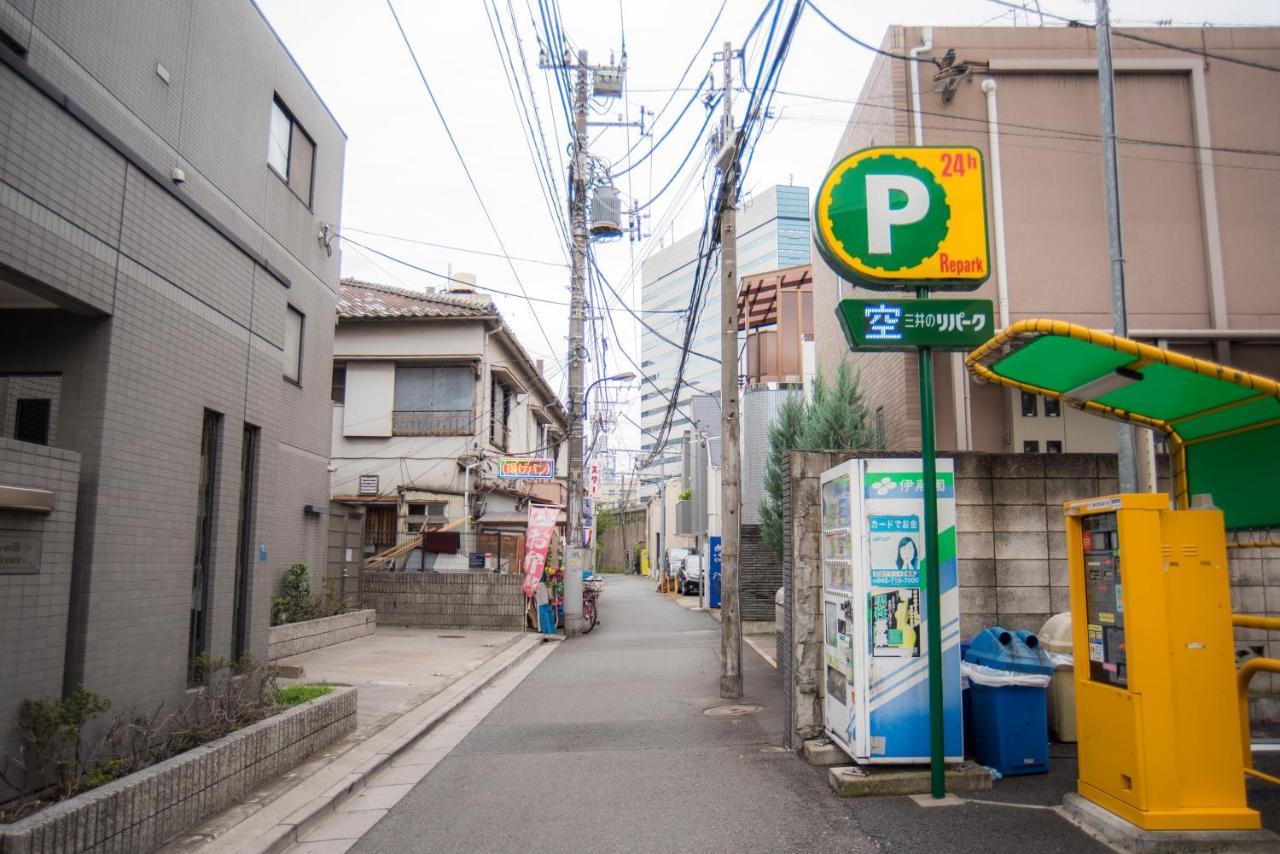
(297,638)
(1010,533)
(142,811)
(480,600)
(1255,589)
(33,607)
(1011,543)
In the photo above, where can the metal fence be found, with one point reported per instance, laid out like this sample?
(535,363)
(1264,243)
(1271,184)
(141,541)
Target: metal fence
(439,422)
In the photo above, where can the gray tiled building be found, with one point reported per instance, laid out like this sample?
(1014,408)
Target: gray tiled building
(169,182)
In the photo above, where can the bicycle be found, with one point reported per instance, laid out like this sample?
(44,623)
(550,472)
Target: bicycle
(591,590)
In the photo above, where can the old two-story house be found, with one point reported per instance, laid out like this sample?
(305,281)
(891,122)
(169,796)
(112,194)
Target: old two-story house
(431,391)
(167,290)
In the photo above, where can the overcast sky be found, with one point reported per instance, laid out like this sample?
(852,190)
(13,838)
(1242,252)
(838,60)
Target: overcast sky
(404,179)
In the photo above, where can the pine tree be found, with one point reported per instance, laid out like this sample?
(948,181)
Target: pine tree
(836,419)
(783,434)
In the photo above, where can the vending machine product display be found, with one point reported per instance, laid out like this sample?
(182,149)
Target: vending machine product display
(874,614)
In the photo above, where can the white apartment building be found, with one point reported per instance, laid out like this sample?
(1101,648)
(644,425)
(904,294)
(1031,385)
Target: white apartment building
(430,391)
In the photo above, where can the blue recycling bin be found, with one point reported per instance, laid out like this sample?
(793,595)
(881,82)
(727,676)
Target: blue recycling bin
(1010,720)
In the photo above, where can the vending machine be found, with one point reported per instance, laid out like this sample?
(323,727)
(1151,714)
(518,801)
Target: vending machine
(875,661)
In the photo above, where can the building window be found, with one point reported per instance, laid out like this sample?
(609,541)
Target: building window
(202,565)
(31,420)
(1053,446)
(501,402)
(338,394)
(290,152)
(293,327)
(1052,407)
(425,516)
(1028,405)
(880,426)
(1031,446)
(244,543)
(434,400)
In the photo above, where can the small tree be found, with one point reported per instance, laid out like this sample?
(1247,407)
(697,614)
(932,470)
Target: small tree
(784,433)
(834,420)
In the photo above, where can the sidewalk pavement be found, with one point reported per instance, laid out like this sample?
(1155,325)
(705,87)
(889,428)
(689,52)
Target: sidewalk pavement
(409,680)
(765,643)
(398,668)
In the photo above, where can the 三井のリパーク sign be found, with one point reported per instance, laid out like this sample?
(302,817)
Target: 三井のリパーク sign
(902,218)
(944,324)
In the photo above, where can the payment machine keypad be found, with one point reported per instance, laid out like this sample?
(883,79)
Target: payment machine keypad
(1104,598)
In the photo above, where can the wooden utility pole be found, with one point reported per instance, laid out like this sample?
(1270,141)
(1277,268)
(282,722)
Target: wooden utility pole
(730,460)
(575,553)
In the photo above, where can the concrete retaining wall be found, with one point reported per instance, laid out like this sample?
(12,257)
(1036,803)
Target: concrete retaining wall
(295,638)
(141,812)
(480,600)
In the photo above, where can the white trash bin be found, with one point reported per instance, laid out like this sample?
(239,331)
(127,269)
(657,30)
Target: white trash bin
(1055,637)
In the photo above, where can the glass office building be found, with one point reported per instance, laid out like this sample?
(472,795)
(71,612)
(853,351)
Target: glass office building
(773,232)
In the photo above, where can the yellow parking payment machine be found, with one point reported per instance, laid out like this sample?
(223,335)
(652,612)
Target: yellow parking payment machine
(1158,725)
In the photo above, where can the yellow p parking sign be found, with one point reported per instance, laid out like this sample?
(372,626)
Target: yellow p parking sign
(901,218)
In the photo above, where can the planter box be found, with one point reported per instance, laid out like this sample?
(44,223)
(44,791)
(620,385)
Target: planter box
(142,811)
(295,638)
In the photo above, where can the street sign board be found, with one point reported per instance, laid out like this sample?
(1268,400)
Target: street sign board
(593,479)
(526,468)
(904,218)
(943,324)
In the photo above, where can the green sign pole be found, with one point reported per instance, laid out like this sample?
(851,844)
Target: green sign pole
(932,576)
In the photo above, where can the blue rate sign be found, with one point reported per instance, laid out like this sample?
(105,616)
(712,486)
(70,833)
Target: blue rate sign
(713,587)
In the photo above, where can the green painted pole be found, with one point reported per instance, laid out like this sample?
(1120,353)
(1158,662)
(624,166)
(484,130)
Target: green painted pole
(932,579)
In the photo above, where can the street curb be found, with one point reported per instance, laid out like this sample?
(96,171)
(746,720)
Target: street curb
(282,835)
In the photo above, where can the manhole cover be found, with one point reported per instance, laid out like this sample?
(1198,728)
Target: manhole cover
(451,636)
(731,711)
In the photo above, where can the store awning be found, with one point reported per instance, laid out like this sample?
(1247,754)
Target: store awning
(1223,425)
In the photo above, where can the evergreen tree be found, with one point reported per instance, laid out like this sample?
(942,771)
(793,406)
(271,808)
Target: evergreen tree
(836,419)
(783,434)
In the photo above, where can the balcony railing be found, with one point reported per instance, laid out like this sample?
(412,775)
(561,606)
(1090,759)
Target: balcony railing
(436,422)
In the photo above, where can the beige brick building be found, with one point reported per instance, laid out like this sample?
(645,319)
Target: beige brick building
(1200,199)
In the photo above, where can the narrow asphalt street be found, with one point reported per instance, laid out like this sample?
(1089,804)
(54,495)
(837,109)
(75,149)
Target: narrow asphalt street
(606,747)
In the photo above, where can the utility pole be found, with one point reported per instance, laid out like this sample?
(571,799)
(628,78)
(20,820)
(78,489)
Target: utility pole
(1126,456)
(730,461)
(576,553)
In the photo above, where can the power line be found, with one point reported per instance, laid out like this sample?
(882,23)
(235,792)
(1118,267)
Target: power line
(688,155)
(666,134)
(860,43)
(454,248)
(1045,132)
(1076,22)
(479,287)
(471,180)
(600,275)
(547,183)
(982,132)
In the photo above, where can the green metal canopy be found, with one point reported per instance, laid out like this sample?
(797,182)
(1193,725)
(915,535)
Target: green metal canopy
(1223,425)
